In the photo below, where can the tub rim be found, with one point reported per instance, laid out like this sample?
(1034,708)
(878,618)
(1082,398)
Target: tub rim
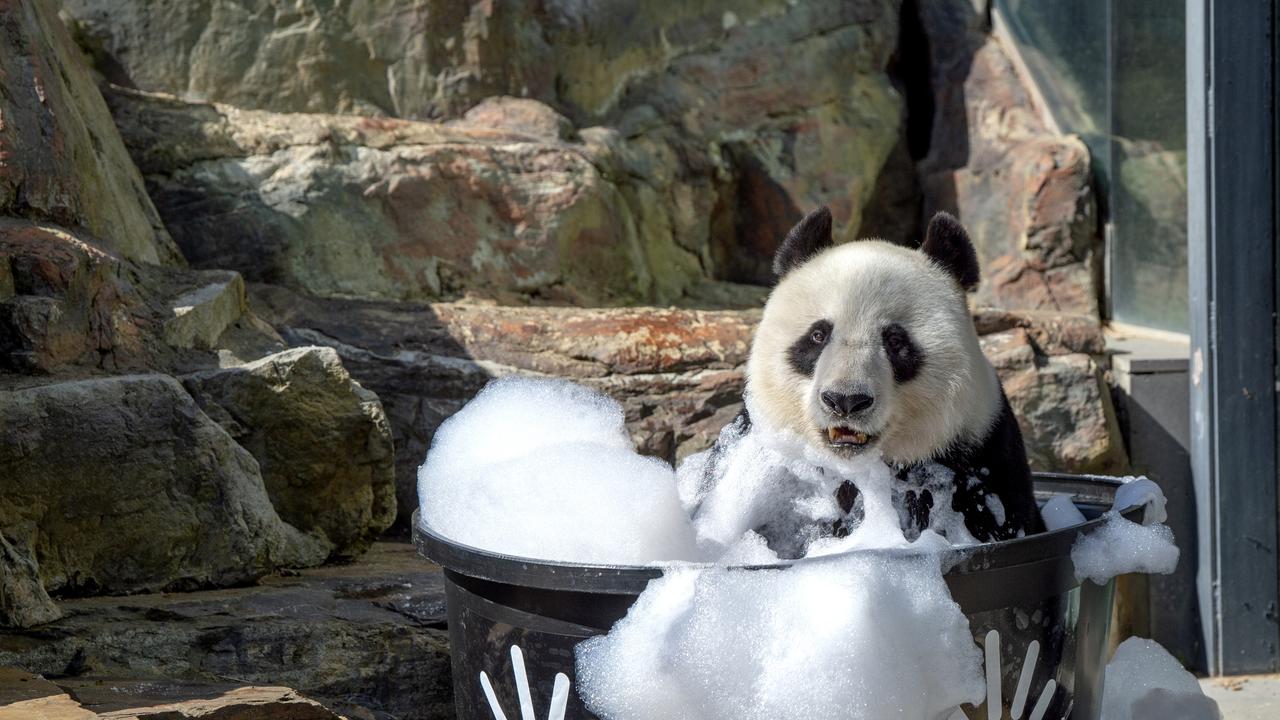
(981,577)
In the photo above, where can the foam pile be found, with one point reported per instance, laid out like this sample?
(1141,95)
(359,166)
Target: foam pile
(860,636)
(1122,546)
(545,469)
(1060,512)
(1143,682)
(757,481)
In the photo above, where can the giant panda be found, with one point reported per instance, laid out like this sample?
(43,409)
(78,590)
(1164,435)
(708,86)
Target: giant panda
(870,345)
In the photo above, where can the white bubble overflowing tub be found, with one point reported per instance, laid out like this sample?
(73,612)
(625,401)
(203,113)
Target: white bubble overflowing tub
(514,622)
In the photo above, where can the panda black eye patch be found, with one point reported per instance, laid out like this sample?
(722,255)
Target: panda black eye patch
(803,353)
(905,357)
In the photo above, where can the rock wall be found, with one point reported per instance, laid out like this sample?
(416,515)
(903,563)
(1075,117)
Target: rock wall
(341,205)
(704,130)
(113,477)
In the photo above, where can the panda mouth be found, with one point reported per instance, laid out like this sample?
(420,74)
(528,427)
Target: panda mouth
(848,438)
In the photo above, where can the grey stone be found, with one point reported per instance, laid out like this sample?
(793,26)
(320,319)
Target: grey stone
(202,314)
(63,159)
(23,600)
(122,484)
(520,115)
(321,440)
(1063,405)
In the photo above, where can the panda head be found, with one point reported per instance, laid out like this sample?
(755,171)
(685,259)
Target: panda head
(870,345)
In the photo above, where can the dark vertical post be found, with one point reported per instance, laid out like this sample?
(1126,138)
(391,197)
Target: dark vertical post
(1231,183)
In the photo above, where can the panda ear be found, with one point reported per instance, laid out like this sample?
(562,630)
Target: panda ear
(948,245)
(809,237)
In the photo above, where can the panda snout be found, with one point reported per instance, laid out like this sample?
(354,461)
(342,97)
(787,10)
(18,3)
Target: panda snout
(846,404)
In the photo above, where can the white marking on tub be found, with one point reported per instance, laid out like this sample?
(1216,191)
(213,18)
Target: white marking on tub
(492,698)
(522,683)
(1024,680)
(1042,706)
(993,675)
(559,697)
(559,691)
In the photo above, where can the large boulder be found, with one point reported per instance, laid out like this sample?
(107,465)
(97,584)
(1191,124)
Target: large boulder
(122,484)
(366,638)
(699,146)
(62,157)
(1068,423)
(1046,362)
(67,302)
(395,209)
(706,129)
(321,441)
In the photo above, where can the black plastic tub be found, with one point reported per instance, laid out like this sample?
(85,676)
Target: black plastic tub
(1025,607)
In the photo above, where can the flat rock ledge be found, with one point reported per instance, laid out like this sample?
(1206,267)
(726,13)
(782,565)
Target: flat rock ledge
(26,696)
(364,641)
(678,373)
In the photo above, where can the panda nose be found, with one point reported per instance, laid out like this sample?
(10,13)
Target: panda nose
(844,404)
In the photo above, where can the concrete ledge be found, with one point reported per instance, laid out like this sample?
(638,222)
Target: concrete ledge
(1245,697)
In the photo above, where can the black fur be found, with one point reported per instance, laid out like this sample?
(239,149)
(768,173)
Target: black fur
(905,357)
(803,354)
(846,496)
(739,426)
(995,466)
(947,243)
(809,237)
(918,507)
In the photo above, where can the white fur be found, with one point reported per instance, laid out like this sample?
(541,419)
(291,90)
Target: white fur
(860,287)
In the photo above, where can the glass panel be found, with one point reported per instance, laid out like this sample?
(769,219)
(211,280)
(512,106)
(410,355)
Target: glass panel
(1112,71)
(1149,180)
(1064,45)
